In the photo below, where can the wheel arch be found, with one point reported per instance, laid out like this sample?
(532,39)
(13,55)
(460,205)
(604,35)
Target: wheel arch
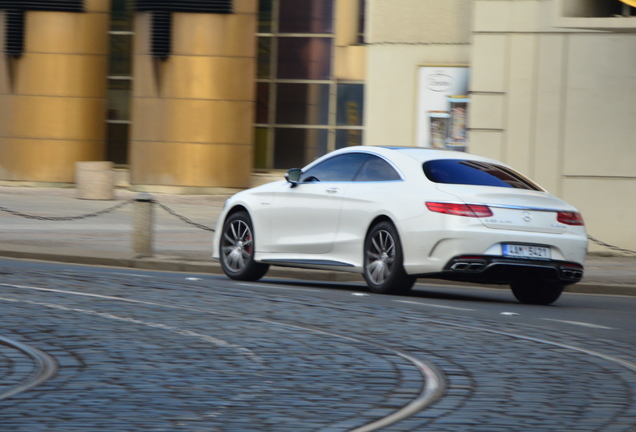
(239,262)
(377,220)
(387,218)
(225,216)
(397,281)
(237,208)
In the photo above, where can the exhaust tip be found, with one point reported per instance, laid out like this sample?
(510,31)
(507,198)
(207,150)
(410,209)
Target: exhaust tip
(464,266)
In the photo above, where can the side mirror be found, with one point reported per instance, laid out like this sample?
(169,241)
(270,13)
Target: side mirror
(293,176)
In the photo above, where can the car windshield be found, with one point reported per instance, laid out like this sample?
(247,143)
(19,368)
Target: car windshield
(476,173)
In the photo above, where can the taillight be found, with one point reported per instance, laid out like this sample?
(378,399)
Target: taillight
(467,210)
(570,218)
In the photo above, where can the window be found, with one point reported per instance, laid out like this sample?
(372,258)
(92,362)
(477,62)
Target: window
(595,8)
(304,58)
(348,138)
(120,54)
(342,168)
(262,103)
(613,15)
(121,15)
(350,105)
(302,104)
(466,172)
(362,4)
(302,110)
(376,169)
(265,16)
(119,80)
(306,16)
(264,57)
(298,146)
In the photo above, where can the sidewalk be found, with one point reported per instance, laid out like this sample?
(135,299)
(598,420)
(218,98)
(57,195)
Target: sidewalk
(106,239)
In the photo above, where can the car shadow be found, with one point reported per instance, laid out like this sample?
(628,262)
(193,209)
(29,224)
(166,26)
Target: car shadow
(420,290)
(424,291)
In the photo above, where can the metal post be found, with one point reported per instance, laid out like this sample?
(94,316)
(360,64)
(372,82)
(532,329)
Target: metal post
(143,222)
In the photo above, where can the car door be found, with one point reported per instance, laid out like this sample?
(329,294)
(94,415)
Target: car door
(304,217)
(373,191)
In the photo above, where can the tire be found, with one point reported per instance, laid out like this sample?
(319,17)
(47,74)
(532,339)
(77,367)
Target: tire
(383,261)
(537,292)
(237,249)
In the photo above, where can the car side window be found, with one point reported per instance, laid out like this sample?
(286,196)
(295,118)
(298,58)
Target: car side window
(341,168)
(376,169)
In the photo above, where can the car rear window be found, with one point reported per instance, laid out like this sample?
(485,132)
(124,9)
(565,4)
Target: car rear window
(476,173)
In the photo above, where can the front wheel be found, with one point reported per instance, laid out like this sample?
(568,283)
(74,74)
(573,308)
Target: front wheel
(237,249)
(537,292)
(383,261)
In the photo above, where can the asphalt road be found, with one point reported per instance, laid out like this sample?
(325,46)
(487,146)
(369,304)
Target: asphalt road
(96,348)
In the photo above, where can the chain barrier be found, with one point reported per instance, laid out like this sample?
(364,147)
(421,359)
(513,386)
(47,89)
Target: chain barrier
(183,218)
(609,246)
(201,226)
(67,218)
(103,212)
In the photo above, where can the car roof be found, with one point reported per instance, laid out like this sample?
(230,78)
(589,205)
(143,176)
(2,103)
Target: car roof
(420,154)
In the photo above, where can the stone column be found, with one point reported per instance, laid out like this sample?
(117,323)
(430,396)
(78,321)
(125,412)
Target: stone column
(52,95)
(193,111)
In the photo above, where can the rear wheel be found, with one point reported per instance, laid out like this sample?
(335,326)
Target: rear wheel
(237,249)
(537,292)
(383,261)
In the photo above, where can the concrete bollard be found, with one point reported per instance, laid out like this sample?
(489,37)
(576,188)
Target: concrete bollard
(143,223)
(94,180)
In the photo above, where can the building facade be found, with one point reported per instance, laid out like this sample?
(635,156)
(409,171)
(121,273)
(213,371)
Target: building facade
(193,97)
(552,94)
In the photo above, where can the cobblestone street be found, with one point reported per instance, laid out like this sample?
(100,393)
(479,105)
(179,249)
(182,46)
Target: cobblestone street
(152,354)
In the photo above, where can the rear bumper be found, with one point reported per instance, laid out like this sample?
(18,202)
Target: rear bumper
(501,270)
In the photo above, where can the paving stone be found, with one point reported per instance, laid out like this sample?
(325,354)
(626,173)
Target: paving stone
(207,359)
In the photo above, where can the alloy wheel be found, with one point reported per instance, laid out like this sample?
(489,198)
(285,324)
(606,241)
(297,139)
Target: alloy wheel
(237,245)
(380,256)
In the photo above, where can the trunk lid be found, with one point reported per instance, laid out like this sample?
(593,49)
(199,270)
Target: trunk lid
(514,209)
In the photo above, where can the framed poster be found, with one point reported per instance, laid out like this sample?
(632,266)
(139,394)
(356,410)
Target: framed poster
(438,122)
(442,96)
(456,138)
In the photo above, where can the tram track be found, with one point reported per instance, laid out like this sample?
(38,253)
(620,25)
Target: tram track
(433,380)
(432,375)
(44,367)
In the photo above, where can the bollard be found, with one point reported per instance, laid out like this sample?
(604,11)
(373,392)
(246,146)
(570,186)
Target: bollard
(143,225)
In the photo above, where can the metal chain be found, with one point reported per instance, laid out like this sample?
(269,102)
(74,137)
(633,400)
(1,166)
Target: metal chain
(183,218)
(609,246)
(66,218)
(198,225)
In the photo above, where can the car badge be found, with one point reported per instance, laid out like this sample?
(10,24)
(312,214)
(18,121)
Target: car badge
(527,217)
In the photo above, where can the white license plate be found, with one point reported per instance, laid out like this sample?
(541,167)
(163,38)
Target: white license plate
(526,251)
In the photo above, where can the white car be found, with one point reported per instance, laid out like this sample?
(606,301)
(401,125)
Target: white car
(395,214)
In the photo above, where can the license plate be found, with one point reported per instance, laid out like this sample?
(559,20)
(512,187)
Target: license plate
(526,251)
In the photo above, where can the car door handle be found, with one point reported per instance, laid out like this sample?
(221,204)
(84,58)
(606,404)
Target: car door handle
(333,190)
